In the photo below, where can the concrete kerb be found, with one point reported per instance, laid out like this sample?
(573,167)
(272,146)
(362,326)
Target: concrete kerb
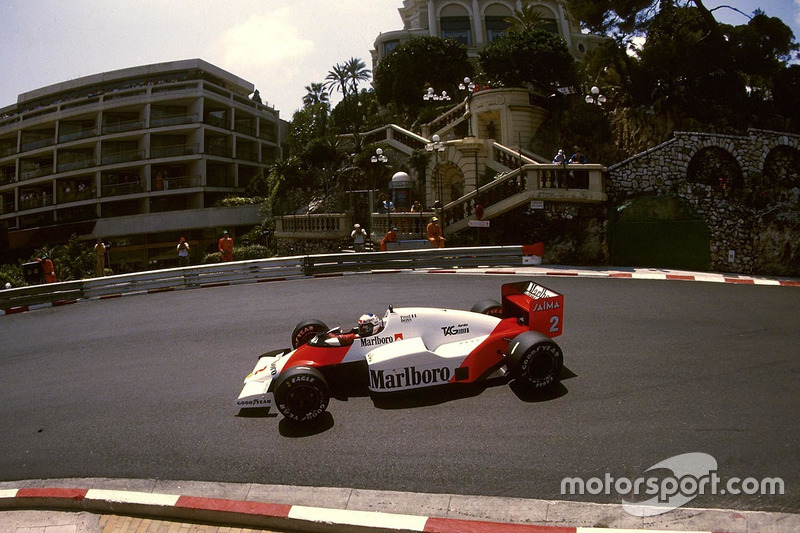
(549,270)
(360,510)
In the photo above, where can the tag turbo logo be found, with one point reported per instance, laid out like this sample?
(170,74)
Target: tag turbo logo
(408,377)
(407,318)
(455,330)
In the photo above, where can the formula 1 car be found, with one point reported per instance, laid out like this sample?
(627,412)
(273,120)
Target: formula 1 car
(413,348)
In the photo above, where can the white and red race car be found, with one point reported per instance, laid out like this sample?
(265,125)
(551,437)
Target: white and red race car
(413,348)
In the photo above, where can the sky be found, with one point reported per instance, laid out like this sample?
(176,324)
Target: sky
(280,46)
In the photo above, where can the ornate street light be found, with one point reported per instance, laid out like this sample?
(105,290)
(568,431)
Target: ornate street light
(436,147)
(430,95)
(595,97)
(468,86)
(381,159)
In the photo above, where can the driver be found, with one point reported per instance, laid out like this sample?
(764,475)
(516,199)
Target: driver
(368,325)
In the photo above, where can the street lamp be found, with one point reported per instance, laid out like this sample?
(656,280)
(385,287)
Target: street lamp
(468,86)
(595,97)
(436,147)
(378,159)
(430,95)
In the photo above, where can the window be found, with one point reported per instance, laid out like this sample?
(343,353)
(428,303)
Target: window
(457,28)
(388,46)
(495,26)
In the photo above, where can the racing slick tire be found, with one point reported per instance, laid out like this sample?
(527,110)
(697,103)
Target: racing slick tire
(488,307)
(305,331)
(301,394)
(534,360)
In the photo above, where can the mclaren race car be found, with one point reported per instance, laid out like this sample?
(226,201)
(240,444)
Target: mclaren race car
(413,348)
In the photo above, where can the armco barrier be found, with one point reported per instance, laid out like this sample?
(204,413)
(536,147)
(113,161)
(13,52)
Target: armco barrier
(259,270)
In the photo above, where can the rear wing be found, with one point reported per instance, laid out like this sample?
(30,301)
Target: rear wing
(540,308)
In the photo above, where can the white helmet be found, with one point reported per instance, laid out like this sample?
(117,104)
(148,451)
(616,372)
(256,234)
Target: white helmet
(369,324)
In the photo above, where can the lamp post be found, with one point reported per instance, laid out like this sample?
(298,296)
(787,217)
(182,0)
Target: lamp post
(431,95)
(378,159)
(468,86)
(595,97)
(436,146)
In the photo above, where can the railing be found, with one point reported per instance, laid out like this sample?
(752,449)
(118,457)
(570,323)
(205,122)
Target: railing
(172,120)
(37,143)
(8,207)
(36,173)
(217,122)
(274,269)
(176,150)
(120,189)
(112,158)
(331,226)
(219,151)
(77,135)
(554,183)
(127,125)
(75,164)
(442,122)
(7,151)
(75,196)
(409,226)
(179,182)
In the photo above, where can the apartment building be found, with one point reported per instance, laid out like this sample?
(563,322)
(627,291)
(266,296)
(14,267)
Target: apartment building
(138,157)
(476,23)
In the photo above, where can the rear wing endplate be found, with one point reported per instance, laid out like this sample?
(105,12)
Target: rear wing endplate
(540,308)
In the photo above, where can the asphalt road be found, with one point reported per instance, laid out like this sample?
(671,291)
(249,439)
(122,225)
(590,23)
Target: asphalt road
(143,387)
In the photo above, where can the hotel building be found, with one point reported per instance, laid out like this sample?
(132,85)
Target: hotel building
(138,157)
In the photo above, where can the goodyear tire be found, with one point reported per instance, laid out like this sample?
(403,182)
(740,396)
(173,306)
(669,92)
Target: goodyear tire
(305,331)
(488,307)
(301,394)
(534,359)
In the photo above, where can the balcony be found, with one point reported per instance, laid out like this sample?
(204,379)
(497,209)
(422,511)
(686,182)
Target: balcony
(218,150)
(77,135)
(126,156)
(120,189)
(65,197)
(37,143)
(76,163)
(172,120)
(34,173)
(176,182)
(176,150)
(123,125)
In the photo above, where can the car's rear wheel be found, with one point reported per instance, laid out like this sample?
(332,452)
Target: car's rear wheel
(488,307)
(306,330)
(301,394)
(534,359)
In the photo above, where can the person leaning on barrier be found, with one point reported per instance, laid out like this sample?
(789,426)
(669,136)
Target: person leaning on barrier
(391,236)
(359,236)
(435,233)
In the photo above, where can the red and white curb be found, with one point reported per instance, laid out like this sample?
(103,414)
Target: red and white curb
(258,514)
(524,271)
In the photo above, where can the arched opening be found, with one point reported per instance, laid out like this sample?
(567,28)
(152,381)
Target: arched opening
(455,23)
(716,169)
(781,175)
(496,21)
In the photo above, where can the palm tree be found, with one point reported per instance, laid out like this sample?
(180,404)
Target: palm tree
(338,80)
(526,19)
(317,102)
(357,72)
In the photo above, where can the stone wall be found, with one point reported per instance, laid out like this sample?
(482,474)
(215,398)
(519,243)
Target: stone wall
(733,182)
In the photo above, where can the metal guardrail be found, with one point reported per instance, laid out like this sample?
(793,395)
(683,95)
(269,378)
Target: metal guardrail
(259,270)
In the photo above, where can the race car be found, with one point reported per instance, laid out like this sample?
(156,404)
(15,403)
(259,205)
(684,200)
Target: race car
(413,348)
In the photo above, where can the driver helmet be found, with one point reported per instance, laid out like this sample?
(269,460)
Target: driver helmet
(369,324)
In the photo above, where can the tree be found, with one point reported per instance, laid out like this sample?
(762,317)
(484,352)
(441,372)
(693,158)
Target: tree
(338,79)
(317,103)
(529,57)
(403,75)
(526,19)
(357,72)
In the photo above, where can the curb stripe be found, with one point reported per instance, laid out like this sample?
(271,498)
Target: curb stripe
(358,518)
(61,494)
(141,498)
(232,506)
(450,525)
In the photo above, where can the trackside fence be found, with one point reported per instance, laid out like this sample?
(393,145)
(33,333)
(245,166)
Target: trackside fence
(272,269)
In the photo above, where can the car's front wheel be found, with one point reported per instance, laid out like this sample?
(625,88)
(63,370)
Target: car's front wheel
(534,359)
(306,330)
(301,394)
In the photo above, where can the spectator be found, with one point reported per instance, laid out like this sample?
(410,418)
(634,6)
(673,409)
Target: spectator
(578,157)
(359,236)
(416,207)
(388,205)
(49,270)
(183,252)
(226,246)
(391,236)
(560,158)
(100,256)
(435,233)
